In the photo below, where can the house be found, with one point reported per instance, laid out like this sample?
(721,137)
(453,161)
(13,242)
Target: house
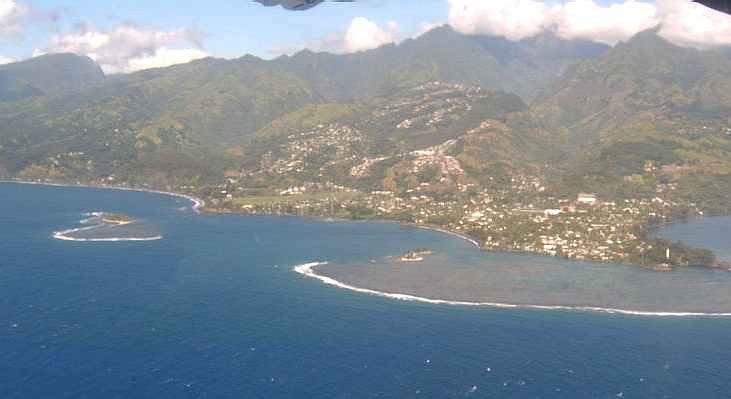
(585,198)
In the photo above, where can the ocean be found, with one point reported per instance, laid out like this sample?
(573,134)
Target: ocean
(214,309)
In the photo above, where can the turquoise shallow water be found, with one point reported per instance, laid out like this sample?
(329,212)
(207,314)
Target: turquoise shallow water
(214,310)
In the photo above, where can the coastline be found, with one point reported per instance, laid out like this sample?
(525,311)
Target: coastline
(448,232)
(719,265)
(63,235)
(308,270)
(198,203)
(335,219)
(199,206)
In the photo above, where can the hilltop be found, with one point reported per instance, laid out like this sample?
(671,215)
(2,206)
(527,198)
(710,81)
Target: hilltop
(545,145)
(645,112)
(52,74)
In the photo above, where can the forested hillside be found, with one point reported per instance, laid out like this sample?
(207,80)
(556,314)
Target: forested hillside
(585,116)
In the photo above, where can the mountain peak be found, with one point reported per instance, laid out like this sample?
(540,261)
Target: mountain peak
(48,74)
(649,39)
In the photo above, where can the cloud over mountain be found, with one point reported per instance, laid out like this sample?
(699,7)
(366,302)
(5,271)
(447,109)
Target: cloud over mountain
(129,47)
(362,34)
(682,22)
(690,24)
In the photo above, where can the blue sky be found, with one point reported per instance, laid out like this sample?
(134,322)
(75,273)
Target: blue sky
(233,27)
(129,35)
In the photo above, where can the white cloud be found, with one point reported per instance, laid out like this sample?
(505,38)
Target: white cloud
(513,19)
(129,48)
(362,34)
(691,24)
(585,19)
(683,22)
(6,60)
(11,13)
(164,56)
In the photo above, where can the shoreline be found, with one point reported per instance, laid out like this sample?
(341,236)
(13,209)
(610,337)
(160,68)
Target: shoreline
(198,203)
(62,235)
(199,206)
(448,232)
(720,265)
(308,270)
(336,219)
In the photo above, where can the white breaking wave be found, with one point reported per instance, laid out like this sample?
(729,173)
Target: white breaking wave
(197,204)
(64,235)
(307,269)
(95,217)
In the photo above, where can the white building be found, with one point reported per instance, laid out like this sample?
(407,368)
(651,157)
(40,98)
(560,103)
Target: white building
(584,198)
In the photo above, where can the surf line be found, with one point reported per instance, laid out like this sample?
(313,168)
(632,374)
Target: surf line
(64,236)
(308,270)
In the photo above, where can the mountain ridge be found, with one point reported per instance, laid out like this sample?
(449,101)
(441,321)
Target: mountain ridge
(642,100)
(50,74)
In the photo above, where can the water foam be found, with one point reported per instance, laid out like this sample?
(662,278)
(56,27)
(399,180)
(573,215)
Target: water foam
(308,270)
(64,236)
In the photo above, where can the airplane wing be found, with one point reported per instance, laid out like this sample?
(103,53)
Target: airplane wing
(301,5)
(718,5)
(297,5)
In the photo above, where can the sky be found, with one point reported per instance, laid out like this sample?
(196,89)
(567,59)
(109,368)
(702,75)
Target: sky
(129,35)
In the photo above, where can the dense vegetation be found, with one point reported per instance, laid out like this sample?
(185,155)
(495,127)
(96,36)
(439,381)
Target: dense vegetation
(617,121)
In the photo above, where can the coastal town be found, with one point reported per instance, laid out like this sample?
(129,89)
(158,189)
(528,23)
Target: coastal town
(519,218)
(383,166)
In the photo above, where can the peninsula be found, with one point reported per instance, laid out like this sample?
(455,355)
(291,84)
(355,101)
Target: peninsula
(612,148)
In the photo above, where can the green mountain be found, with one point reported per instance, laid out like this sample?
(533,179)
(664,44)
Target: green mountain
(211,105)
(476,109)
(643,111)
(522,67)
(51,74)
(601,99)
(464,131)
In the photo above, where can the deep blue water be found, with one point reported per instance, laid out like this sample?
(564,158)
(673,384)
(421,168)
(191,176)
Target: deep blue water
(214,311)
